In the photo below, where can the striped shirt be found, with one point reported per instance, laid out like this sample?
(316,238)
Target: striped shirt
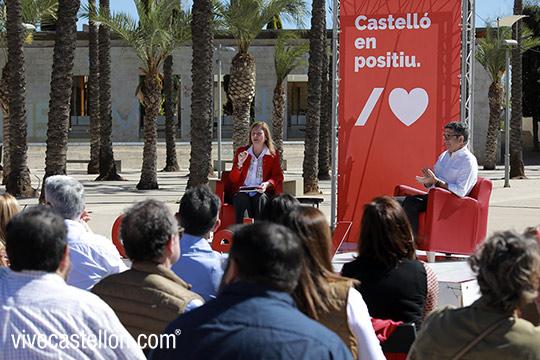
(41,317)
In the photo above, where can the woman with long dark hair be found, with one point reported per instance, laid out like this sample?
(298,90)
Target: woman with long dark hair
(394,284)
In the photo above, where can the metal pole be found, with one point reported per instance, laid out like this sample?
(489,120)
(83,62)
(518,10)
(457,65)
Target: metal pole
(219,110)
(335,106)
(507,123)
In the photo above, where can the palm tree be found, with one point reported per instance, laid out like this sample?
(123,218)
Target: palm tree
(516,146)
(316,53)
(61,87)
(492,56)
(531,76)
(107,166)
(153,39)
(201,97)
(244,20)
(19,183)
(493,59)
(326,116)
(286,58)
(93,94)
(33,12)
(171,162)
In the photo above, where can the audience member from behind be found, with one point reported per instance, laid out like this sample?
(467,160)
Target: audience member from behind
(507,268)
(36,302)
(9,206)
(254,317)
(149,296)
(326,297)
(278,207)
(393,283)
(199,265)
(92,256)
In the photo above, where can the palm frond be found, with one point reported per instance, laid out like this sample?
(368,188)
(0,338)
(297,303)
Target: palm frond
(492,56)
(162,27)
(244,19)
(289,54)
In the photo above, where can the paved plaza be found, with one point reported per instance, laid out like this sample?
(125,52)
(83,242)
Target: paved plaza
(510,208)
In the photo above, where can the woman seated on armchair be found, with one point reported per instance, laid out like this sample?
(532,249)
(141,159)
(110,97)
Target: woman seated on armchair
(257,168)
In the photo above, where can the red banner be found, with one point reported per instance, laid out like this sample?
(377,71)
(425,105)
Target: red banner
(399,67)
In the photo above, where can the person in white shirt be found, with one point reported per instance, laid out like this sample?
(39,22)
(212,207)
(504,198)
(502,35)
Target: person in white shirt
(456,170)
(40,315)
(92,256)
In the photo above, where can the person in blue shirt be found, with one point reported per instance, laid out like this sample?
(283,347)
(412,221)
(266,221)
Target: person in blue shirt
(254,316)
(199,265)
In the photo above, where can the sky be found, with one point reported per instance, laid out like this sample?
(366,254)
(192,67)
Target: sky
(486,10)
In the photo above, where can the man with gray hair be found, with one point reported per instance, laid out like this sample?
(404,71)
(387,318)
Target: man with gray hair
(92,256)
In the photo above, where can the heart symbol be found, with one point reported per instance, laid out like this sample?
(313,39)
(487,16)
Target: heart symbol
(408,107)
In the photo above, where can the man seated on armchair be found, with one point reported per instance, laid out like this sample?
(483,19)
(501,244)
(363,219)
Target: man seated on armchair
(456,170)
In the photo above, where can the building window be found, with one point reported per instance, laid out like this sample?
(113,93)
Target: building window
(296,106)
(79,121)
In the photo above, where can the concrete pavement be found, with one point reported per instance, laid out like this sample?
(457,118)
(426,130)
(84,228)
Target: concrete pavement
(510,208)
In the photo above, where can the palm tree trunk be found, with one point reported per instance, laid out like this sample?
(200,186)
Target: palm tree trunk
(495,96)
(152,102)
(93,96)
(516,146)
(107,167)
(278,115)
(536,119)
(61,87)
(171,163)
(201,98)
(326,121)
(316,52)
(4,99)
(19,183)
(241,92)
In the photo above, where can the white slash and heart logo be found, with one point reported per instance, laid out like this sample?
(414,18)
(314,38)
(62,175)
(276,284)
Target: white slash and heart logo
(408,107)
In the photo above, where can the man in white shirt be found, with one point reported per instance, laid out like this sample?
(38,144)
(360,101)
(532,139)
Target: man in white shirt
(92,256)
(40,315)
(456,170)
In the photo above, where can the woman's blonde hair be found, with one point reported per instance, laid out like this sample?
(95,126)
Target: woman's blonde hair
(9,206)
(269,143)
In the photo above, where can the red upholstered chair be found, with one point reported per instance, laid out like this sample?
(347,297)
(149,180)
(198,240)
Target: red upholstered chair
(451,224)
(115,235)
(223,188)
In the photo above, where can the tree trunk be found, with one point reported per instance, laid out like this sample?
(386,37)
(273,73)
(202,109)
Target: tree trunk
(278,115)
(517,169)
(241,92)
(316,52)
(93,96)
(535,120)
(61,87)
(19,183)
(326,121)
(152,102)
(171,163)
(201,97)
(107,167)
(4,104)
(495,96)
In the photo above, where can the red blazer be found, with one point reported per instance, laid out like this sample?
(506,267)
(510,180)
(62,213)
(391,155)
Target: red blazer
(271,171)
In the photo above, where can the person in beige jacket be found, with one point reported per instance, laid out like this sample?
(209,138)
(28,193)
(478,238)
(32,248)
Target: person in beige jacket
(149,295)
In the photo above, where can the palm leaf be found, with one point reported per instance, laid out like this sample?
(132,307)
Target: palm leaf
(289,54)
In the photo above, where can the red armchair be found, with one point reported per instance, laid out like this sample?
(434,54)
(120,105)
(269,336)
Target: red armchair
(451,224)
(223,188)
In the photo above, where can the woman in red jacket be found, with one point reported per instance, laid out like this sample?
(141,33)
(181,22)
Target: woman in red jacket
(255,167)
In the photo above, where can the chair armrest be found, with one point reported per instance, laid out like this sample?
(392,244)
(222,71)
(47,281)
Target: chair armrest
(404,190)
(444,202)
(220,190)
